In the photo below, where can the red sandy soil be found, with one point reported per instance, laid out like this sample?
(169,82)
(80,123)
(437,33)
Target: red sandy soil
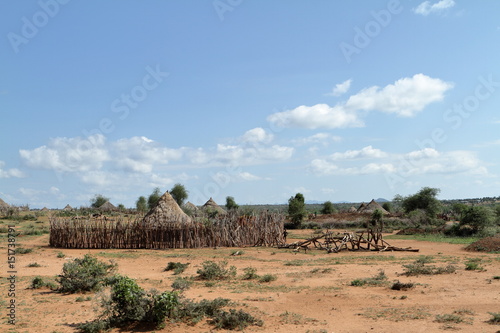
(298,301)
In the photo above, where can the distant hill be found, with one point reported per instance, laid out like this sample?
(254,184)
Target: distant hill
(382,200)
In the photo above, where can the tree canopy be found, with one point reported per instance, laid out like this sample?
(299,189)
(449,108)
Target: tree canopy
(154,197)
(98,200)
(328,208)
(425,199)
(179,193)
(297,209)
(141,204)
(231,203)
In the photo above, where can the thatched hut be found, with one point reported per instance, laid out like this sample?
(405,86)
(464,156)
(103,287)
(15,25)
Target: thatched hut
(191,207)
(107,207)
(352,209)
(166,210)
(211,206)
(68,208)
(4,206)
(371,207)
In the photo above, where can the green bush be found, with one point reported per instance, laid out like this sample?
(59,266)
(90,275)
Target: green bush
(177,267)
(473,264)
(21,250)
(164,306)
(195,311)
(34,264)
(234,319)
(95,326)
(402,286)
(213,271)
(250,273)
(38,282)
(378,279)
(86,274)
(495,318)
(128,300)
(267,278)
(181,284)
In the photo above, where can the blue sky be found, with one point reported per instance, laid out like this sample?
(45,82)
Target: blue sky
(254,99)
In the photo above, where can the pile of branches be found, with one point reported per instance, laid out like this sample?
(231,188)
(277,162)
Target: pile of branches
(332,242)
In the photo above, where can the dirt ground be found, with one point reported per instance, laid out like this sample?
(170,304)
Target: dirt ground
(312,292)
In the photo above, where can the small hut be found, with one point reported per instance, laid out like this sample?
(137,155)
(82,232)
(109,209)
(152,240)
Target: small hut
(68,208)
(361,207)
(191,207)
(371,207)
(4,206)
(352,209)
(107,207)
(212,206)
(166,210)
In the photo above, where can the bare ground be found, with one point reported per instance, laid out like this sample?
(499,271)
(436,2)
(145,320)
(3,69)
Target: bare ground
(312,293)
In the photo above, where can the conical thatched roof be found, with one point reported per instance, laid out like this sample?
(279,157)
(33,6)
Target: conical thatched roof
(107,207)
(166,210)
(211,205)
(361,207)
(191,206)
(373,206)
(68,207)
(3,204)
(352,209)
(44,209)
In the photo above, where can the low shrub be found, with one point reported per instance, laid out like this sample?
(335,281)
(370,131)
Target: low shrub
(473,264)
(449,318)
(234,319)
(181,284)
(85,274)
(378,279)
(213,271)
(21,250)
(268,278)
(34,264)
(177,267)
(495,318)
(402,286)
(250,273)
(38,282)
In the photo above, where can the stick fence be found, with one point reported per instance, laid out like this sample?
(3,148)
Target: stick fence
(227,231)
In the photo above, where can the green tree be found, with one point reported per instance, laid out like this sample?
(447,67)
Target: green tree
(231,204)
(98,200)
(425,199)
(179,193)
(376,218)
(387,206)
(154,197)
(297,209)
(458,209)
(477,217)
(328,208)
(141,204)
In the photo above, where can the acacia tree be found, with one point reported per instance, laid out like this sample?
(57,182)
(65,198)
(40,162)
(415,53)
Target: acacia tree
(477,218)
(141,204)
(425,199)
(154,197)
(179,193)
(297,209)
(231,203)
(98,200)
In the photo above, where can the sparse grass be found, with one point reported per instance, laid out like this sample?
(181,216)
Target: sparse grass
(83,299)
(473,264)
(234,320)
(449,318)
(38,282)
(294,263)
(396,314)
(177,267)
(377,280)
(237,253)
(61,255)
(419,267)
(122,254)
(436,238)
(21,250)
(296,318)
(34,264)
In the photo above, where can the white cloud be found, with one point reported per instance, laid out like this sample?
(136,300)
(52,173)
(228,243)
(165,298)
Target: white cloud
(366,152)
(420,162)
(68,154)
(9,173)
(405,97)
(318,138)
(240,155)
(257,135)
(316,116)
(426,8)
(341,88)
